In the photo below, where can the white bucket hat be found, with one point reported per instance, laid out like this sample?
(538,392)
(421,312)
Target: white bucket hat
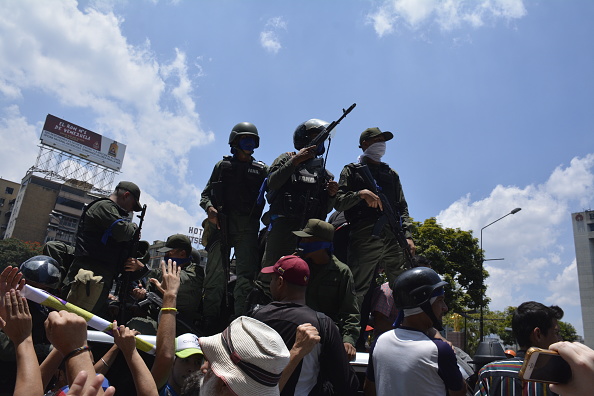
(249,356)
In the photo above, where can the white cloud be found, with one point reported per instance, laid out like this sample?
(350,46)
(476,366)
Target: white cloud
(18,154)
(81,59)
(539,264)
(270,37)
(447,15)
(563,288)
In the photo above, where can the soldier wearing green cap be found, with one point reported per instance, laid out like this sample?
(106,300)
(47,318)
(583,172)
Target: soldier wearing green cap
(178,248)
(362,209)
(102,240)
(331,287)
(231,202)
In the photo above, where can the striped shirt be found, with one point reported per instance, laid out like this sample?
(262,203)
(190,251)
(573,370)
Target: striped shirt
(500,378)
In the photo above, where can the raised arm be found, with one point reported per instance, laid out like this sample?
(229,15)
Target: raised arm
(165,353)
(126,341)
(18,326)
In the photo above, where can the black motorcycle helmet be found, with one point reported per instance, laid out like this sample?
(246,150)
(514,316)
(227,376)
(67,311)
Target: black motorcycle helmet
(301,135)
(43,270)
(414,288)
(242,129)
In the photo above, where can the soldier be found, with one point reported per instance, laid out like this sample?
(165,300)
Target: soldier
(102,241)
(300,188)
(362,209)
(178,248)
(230,200)
(330,289)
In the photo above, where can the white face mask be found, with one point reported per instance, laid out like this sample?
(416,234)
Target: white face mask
(375,152)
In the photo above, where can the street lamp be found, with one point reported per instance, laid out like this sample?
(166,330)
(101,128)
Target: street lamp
(516,210)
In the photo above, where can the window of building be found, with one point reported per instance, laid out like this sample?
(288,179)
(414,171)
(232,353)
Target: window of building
(70,203)
(1,201)
(591,216)
(591,227)
(69,222)
(9,190)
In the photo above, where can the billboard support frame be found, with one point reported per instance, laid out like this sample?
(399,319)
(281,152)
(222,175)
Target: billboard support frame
(56,164)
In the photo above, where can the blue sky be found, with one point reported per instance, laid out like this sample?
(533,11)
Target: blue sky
(491,104)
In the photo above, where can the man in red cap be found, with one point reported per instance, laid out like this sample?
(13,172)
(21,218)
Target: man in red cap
(327,364)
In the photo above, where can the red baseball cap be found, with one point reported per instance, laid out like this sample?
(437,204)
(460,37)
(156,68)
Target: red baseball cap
(292,268)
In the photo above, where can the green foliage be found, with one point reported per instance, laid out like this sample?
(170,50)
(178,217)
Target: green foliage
(567,331)
(455,255)
(14,251)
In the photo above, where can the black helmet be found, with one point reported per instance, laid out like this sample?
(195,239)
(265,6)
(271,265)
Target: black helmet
(42,269)
(301,137)
(415,286)
(244,128)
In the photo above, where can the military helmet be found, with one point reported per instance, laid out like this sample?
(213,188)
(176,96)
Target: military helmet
(301,137)
(42,269)
(414,287)
(244,128)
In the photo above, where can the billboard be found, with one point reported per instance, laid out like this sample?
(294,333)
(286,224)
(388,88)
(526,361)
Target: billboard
(83,143)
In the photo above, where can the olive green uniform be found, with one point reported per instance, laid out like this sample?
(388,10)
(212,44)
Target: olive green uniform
(331,290)
(239,189)
(365,253)
(289,187)
(188,296)
(102,244)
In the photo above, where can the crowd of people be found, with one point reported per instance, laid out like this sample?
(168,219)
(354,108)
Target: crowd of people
(293,317)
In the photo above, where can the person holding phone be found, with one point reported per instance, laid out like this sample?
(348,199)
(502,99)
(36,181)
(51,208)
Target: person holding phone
(581,361)
(533,325)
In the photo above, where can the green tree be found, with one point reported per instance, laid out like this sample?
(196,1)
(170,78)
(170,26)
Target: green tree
(567,331)
(456,255)
(14,251)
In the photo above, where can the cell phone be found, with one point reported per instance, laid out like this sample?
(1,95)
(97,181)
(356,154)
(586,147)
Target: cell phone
(544,365)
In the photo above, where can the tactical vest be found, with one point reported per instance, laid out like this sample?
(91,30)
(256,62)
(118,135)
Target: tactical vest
(303,194)
(241,183)
(387,180)
(97,243)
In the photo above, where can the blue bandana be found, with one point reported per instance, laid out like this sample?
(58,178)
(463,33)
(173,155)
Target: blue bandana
(309,247)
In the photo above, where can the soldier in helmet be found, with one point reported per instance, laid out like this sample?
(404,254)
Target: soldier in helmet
(300,189)
(406,360)
(233,188)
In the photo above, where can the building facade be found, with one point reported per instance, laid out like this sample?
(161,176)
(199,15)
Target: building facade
(46,210)
(8,193)
(583,237)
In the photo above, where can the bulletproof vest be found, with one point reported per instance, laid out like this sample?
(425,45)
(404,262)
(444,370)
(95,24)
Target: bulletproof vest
(303,193)
(97,243)
(387,181)
(240,185)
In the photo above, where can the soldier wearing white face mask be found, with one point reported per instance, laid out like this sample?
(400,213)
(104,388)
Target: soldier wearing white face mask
(363,208)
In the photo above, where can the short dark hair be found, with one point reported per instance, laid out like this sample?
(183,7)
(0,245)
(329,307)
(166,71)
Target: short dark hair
(530,315)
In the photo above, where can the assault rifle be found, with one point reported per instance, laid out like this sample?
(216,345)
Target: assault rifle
(126,276)
(321,138)
(217,200)
(388,214)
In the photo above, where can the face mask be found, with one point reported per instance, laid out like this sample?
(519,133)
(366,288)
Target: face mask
(320,150)
(247,144)
(179,261)
(376,151)
(309,247)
